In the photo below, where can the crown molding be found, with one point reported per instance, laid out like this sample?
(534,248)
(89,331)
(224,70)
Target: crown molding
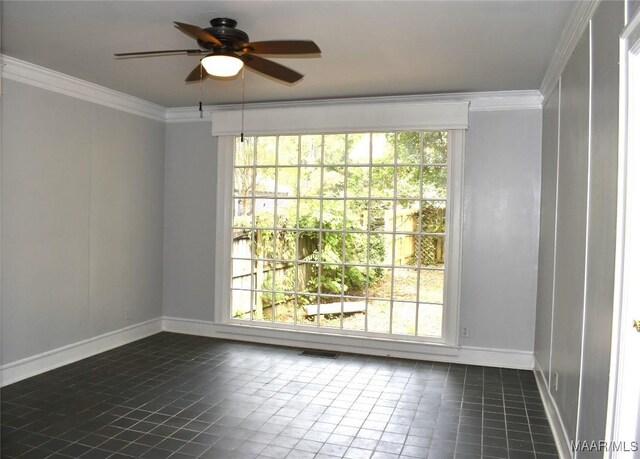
(478,102)
(578,21)
(41,77)
(189,114)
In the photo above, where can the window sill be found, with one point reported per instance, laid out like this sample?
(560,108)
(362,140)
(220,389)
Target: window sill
(325,339)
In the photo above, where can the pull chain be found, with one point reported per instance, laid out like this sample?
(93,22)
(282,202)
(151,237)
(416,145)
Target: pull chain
(242,110)
(201,84)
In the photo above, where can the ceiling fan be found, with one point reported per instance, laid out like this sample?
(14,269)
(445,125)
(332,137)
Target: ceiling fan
(227,49)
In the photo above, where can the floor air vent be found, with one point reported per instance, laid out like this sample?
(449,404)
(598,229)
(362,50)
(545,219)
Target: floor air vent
(323,354)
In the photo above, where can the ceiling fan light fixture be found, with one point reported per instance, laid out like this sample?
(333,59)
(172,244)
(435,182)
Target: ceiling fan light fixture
(222,65)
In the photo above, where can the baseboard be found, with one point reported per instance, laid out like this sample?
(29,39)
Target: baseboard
(555,420)
(410,350)
(31,366)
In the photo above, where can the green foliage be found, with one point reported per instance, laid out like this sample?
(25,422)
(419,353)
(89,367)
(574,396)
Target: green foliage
(354,165)
(336,248)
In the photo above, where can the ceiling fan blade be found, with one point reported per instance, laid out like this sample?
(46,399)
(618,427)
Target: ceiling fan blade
(166,51)
(280,47)
(197,74)
(270,68)
(197,33)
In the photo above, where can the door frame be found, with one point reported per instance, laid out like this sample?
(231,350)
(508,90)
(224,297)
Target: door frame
(623,396)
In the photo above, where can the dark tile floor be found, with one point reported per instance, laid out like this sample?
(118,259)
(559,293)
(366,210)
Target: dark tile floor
(183,396)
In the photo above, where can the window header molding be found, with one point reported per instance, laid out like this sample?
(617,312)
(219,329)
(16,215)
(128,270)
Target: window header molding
(352,115)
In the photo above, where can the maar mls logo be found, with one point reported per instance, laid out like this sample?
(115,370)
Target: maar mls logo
(605,446)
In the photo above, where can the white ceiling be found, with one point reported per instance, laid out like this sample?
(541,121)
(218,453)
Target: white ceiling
(369,48)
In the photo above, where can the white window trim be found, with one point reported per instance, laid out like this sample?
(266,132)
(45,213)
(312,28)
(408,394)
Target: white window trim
(321,117)
(290,118)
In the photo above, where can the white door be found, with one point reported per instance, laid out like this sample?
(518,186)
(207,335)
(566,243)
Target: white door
(625,387)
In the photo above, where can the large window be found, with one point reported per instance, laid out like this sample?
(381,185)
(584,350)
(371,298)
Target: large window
(346,231)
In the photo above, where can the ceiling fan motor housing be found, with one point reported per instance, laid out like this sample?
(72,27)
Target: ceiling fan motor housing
(224,29)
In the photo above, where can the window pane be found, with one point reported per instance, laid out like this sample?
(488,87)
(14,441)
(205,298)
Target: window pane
(430,320)
(382,148)
(264,244)
(307,305)
(380,212)
(245,152)
(333,214)
(310,181)
(266,151)
(356,248)
(380,279)
(405,284)
(354,316)
(287,185)
(433,216)
(310,273)
(243,178)
(288,150)
(285,210)
(377,249)
(265,181)
(285,213)
(334,149)
(431,286)
(408,181)
(241,270)
(309,215)
(404,318)
(333,182)
(356,280)
(379,316)
(286,247)
(265,306)
(242,245)
(431,251)
(358,148)
(243,210)
(331,279)
(333,245)
(330,311)
(382,182)
(434,182)
(357,216)
(435,147)
(311,149)
(284,307)
(408,147)
(358,182)
(403,250)
(241,303)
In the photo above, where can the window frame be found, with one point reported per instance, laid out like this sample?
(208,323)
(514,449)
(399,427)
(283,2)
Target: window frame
(392,117)
(224,204)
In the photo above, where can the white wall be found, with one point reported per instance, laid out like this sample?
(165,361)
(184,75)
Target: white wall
(606,26)
(501,223)
(82,220)
(190,225)
(575,300)
(500,232)
(547,252)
